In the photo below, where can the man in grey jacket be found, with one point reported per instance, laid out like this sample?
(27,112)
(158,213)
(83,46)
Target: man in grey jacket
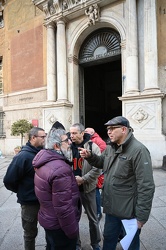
(128,181)
(86,176)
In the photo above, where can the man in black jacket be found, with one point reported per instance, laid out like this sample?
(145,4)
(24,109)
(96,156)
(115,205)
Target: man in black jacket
(19,178)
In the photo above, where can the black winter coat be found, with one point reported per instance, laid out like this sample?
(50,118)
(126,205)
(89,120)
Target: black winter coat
(19,177)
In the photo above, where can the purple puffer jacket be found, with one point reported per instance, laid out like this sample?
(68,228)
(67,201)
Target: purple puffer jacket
(57,192)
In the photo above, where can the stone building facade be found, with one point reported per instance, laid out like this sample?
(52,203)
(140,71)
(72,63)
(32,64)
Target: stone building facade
(84,61)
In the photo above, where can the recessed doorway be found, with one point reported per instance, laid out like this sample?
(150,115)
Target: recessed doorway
(102,85)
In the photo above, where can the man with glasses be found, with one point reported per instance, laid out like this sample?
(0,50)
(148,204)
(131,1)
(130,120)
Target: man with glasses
(102,145)
(128,181)
(57,191)
(86,176)
(19,178)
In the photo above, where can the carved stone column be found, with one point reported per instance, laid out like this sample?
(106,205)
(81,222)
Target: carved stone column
(61,61)
(51,62)
(150,46)
(131,49)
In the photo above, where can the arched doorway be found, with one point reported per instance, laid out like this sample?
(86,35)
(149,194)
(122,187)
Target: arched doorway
(100,79)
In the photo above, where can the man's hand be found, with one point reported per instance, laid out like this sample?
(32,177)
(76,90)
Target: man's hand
(140,224)
(84,153)
(79,180)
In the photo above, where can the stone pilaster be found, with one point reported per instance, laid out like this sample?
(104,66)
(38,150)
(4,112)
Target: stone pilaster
(150,47)
(131,49)
(61,61)
(51,62)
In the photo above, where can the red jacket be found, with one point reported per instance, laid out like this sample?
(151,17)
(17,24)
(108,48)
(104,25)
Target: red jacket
(99,141)
(102,145)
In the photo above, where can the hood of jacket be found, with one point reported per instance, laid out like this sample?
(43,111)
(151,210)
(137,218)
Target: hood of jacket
(86,138)
(95,135)
(75,146)
(45,156)
(30,148)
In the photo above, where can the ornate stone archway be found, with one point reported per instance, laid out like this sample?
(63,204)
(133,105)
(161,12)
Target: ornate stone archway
(101,47)
(111,27)
(101,44)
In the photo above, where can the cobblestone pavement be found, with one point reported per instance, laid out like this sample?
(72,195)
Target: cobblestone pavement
(153,235)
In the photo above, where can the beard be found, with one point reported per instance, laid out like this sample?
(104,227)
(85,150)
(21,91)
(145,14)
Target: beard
(67,153)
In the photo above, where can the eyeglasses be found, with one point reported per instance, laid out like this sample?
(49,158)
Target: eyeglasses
(112,128)
(41,136)
(66,140)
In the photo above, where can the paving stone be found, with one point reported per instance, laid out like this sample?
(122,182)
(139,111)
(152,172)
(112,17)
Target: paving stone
(153,234)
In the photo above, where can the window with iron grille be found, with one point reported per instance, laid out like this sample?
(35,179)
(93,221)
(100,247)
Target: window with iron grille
(2,132)
(1,76)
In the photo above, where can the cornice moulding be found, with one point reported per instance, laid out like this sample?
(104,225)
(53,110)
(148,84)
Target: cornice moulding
(68,9)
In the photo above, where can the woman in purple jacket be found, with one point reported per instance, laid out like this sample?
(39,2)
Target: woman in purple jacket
(57,192)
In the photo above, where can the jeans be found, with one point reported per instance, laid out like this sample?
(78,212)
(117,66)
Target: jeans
(98,201)
(57,240)
(29,214)
(89,204)
(112,230)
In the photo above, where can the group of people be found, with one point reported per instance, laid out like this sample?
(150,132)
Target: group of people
(55,174)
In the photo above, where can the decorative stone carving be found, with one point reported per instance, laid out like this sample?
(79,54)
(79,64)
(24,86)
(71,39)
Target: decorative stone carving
(93,14)
(46,10)
(70,119)
(140,115)
(58,6)
(102,44)
(76,1)
(57,113)
(52,119)
(64,5)
(73,59)
(123,44)
(55,7)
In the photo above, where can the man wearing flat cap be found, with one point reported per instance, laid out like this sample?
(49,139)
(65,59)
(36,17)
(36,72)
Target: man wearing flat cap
(128,181)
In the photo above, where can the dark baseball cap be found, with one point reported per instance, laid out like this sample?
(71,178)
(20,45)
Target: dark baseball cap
(119,120)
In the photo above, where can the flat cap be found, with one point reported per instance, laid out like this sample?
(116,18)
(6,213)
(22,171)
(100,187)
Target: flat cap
(118,120)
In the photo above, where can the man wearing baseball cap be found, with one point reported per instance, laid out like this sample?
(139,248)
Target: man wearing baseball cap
(128,181)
